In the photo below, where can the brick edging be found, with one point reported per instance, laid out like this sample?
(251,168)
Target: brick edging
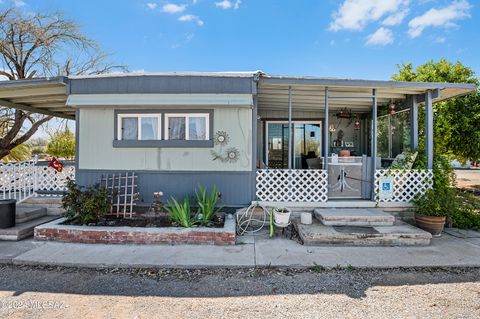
(55,231)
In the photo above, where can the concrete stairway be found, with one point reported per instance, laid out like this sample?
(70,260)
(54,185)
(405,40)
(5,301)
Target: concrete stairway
(52,204)
(359,227)
(26,219)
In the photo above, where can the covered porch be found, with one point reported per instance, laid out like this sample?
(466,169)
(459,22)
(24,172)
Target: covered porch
(319,140)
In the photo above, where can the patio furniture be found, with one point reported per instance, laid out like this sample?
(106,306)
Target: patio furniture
(314,163)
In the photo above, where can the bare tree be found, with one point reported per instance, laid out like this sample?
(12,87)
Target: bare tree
(35,45)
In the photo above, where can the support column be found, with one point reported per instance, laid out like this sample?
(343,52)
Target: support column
(326,133)
(429,129)
(413,122)
(254,145)
(374,139)
(290,135)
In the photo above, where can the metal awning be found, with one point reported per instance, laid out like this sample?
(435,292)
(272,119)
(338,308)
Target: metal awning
(308,93)
(45,96)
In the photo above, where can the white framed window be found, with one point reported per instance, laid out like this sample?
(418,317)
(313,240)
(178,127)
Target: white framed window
(187,126)
(134,127)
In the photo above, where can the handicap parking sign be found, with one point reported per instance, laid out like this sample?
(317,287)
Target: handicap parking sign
(386,187)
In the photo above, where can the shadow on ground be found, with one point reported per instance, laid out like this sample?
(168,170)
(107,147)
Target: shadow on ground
(221,282)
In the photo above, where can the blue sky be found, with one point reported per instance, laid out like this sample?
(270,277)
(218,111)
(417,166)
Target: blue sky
(337,38)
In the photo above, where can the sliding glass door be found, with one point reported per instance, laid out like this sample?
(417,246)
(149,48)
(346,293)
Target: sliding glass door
(307,142)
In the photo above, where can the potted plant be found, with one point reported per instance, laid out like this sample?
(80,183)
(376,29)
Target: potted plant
(432,208)
(281,216)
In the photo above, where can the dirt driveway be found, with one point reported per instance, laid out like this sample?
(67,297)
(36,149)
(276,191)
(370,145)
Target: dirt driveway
(27,292)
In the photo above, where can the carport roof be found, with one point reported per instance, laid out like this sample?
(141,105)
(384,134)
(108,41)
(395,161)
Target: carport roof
(45,96)
(49,95)
(308,93)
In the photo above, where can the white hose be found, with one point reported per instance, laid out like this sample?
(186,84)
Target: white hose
(244,219)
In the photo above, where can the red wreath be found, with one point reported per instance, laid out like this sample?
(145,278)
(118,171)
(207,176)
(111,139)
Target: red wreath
(56,165)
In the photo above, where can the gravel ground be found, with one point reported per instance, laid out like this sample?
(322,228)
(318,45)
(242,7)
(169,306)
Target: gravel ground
(55,292)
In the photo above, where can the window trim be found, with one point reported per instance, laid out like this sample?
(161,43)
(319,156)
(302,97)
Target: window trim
(139,117)
(187,117)
(163,143)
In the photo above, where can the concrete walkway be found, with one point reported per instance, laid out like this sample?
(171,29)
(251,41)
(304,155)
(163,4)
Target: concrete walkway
(447,251)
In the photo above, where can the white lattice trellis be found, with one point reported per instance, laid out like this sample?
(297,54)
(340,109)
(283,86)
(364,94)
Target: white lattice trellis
(407,183)
(49,180)
(292,185)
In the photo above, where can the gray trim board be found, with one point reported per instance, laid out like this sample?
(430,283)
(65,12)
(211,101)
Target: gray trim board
(173,84)
(162,143)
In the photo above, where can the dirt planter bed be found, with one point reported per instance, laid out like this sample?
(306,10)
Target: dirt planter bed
(137,235)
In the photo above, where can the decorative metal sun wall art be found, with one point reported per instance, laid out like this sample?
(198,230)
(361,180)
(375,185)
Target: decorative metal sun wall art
(230,155)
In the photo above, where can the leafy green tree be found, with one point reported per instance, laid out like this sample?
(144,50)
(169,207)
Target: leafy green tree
(456,121)
(62,144)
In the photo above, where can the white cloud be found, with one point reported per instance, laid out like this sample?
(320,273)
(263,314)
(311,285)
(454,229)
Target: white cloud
(18,3)
(443,17)
(440,40)
(152,5)
(194,1)
(227,4)
(396,18)
(191,17)
(355,14)
(382,36)
(174,8)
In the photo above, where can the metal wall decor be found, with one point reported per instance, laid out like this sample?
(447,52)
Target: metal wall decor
(230,155)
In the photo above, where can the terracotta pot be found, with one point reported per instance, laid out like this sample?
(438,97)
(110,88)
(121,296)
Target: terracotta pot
(432,224)
(344,153)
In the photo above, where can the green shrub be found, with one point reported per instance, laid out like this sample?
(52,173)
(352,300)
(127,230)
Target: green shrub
(206,204)
(467,213)
(87,206)
(181,212)
(437,202)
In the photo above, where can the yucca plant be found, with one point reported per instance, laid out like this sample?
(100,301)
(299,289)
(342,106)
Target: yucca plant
(206,203)
(180,212)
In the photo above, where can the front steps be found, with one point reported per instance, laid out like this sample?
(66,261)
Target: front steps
(353,217)
(359,227)
(26,219)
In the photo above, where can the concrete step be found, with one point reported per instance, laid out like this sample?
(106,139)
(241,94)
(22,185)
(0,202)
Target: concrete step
(48,202)
(400,234)
(353,217)
(24,230)
(52,204)
(26,213)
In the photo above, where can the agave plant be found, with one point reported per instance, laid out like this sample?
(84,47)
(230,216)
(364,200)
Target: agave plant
(180,212)
(206,203)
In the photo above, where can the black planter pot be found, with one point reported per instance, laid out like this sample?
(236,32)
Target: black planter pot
(7,213)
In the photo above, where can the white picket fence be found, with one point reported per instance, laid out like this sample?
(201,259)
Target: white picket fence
(22,180)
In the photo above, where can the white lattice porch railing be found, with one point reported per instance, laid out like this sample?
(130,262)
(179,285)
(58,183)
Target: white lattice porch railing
(17,180)
(407,183)
(49,180)
(22,180)
(292,185)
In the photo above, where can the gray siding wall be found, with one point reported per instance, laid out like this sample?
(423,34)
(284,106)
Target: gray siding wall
(235,187)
